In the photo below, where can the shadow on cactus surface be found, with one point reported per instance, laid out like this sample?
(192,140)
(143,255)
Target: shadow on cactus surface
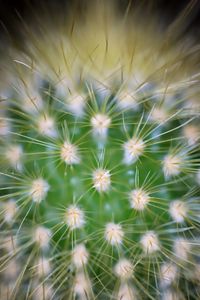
(99,157)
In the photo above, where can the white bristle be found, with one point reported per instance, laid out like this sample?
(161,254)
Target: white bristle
(32,102)
(101,180)
(172,165)
(192,134)
(38,189)
(100,124)
(14,154)
(82,286)
(42,236)
(80,256)
(76,104)
(46,126)
(178,211)
(74,217)
(127,101)
(43,267)
(69,153)
(168,274)
(159,115)
(150,242)
(10,209)
(124,269)
(133,149)
(138,199)
(181,248)
(114,234)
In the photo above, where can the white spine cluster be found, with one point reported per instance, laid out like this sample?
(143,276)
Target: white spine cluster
(101,180)
(114,234)
(100,124)
(74,217)
(133,149)
(10,209)
(178,211)
(43,267)
(172,165)
(13,155)
(192,134)
(80,256)
(76,104)
(181,248)
(82,286)
(149,242)
(124,269)
(42,236)
(139,199)
(38,190)
(127,101)
(46,126)
(168,274)
(69,153)
(159,115)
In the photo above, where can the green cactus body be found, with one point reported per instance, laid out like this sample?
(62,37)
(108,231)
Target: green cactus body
(99,168)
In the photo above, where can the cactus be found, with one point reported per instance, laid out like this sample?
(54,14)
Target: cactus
(99,137)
